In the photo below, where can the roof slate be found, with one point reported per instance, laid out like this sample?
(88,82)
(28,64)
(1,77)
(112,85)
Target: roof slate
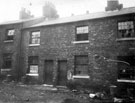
(19,21)
(89,16)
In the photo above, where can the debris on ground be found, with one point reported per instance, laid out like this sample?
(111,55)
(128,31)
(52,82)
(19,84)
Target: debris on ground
(70,101)
(13,92)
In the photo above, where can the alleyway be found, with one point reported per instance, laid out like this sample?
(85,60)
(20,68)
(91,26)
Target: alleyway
(19,93)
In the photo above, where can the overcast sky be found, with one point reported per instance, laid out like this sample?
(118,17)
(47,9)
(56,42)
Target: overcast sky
(9,9)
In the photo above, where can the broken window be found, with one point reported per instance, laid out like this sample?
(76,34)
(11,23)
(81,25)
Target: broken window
(126,71)
(126,29)
(82,33)
(81,65)
(10,34)
(35,37)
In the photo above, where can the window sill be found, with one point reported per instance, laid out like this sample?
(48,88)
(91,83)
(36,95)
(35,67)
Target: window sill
(8,41)
(5,70)
(126,81)
(32,74)
(81,77)
(34,44)
(78,42)
(125,39)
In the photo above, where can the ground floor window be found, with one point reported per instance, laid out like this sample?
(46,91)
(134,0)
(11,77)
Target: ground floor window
(7,61)
(81,65)
(33,65)
(126,71)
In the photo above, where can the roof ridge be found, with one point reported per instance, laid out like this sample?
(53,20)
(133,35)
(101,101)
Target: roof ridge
(79,17)
(19,21)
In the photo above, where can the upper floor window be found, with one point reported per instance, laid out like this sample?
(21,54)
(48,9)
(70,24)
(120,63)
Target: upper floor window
(126,29)
(82,33)
(35,37)
(81,65)
(10,34)
(7,60)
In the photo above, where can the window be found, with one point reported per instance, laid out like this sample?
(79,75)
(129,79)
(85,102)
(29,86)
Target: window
(81,65)
(126,29)
(33,65)
(82,33)
(35,37)
(7,61)
(126,71)
(10,34)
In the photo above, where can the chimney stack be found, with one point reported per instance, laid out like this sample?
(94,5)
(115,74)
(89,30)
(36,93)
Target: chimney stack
(25,14)
(72,14)
(113,5)
(87,12)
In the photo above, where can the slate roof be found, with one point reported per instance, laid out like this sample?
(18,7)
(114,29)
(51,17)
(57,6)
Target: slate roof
(18,21)
(89,16)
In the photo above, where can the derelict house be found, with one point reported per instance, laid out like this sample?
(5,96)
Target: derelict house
(96,46)
(10,41)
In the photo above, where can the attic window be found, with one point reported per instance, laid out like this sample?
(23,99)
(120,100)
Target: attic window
(126,29)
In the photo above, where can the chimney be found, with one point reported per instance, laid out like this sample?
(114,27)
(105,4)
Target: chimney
(72,14)
(113,5)
(25,14)
(87,12)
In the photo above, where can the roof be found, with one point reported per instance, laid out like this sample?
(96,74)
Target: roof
(89,16)
(18,21)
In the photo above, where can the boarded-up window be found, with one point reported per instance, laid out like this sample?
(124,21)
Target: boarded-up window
(81,65)
(7,60)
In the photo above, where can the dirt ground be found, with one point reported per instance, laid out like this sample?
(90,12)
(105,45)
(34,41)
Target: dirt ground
(18,93)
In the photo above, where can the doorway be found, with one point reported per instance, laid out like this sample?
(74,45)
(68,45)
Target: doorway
(48,72)
(62,72)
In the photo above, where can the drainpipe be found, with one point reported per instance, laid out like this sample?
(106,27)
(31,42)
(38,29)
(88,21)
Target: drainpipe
(19,54)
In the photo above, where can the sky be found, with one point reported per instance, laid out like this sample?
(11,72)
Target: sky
(9,9)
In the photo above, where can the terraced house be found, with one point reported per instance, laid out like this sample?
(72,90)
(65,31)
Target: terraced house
(95,46)
(10,41)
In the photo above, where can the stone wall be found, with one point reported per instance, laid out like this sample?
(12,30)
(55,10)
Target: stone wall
(11,46)
(57,43)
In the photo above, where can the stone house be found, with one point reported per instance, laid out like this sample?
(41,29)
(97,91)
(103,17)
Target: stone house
(10,41)
(94,46)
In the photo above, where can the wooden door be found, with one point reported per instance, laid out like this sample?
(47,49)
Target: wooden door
(62,72)
(48,72)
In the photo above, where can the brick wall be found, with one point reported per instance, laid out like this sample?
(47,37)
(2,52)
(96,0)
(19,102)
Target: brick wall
(11,46)
(57,44)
